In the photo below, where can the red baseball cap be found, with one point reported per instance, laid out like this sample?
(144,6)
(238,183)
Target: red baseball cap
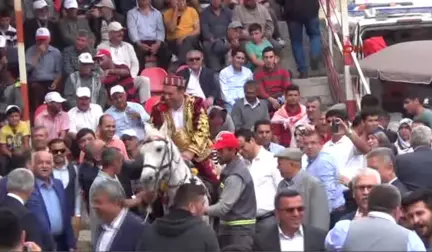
(102,52)
(226,140)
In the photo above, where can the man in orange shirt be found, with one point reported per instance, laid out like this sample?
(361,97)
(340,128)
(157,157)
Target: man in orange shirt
(183,28)
(107,129)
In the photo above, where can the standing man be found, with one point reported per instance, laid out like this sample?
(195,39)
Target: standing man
(264,136)
(107,128)
(186,121)
(262,166)
(384,161)
(378,231)
(290,234)
(71,53)
(237,207)
(315,198)
(48,203)
(413,105)
(298,15)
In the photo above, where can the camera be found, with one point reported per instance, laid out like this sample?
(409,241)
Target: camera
(335,126)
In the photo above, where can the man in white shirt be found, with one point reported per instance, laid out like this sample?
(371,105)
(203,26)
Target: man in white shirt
(120,51)
(289,234)
(85,114)
(266,177)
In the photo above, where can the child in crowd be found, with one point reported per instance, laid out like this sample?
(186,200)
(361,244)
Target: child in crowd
(256,46)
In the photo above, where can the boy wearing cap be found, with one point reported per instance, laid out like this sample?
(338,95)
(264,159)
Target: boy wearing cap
(15,134)
(70,23)
(44,62)
(85,77)
(187,123)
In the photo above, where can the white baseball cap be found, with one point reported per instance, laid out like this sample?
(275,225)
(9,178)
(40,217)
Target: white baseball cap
(71,4)
(106,3)
(2,42)
(39,4)
(42,33)
(83,92)
(129,132)
(85,58)
(54,97)
(117,89)
(8,108)
(115,26)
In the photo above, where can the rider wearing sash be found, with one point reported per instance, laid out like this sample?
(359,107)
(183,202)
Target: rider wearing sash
(184,119)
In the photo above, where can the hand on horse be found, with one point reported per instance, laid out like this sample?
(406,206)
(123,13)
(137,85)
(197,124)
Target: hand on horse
(188,155)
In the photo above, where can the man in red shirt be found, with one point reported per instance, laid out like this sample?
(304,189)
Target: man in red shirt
(272,79)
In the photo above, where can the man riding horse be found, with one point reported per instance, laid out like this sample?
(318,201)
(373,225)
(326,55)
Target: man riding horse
(184,119)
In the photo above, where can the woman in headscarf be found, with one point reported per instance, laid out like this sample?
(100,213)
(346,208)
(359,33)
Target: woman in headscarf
(379,139)
(403,142)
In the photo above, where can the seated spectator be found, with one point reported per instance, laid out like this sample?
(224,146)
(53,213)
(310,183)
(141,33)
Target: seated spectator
(10,93)
(250,12)
(123,6)
(233,77)
(71,23)
(44,63)
(264,136)
(120,51)
(41,19)
(10,34)
(256,46)
(235,39)
(147,33)
(128,115)
(107,130)
(86,114)
(201,81)
(101,17)
(85,77)
(71,53)
(183,28)
(54,119)
(214,25)
(3,53)
(273,79)
(291,114)
(219,120)
(119,74)
(15,135)
(250,109)
(131,142)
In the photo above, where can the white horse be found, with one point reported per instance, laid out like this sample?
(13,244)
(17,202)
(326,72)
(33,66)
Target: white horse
(164,170)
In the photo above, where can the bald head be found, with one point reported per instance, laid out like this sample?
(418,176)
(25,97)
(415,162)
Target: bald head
(42,163)
(93,150)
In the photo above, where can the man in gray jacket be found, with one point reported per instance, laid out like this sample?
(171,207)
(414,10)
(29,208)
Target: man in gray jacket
(378,231)
(313,193)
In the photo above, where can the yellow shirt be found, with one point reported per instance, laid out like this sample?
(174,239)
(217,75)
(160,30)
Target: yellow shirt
(188,19)
(14,138)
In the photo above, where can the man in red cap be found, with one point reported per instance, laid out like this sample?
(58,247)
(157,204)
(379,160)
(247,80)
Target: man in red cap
(236,208)
(185,119)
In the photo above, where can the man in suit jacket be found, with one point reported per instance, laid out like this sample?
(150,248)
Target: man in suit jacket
(201,81)
(20,185)
(289,210)
(384,161)
(120,230)
(312,192)
(413,169)
(48,203)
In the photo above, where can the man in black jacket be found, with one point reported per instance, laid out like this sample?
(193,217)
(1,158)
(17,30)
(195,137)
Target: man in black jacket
(201,81)
(182,229)
(299,14)
(101,17)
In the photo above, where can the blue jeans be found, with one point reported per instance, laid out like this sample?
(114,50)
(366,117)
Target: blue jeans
(295,29)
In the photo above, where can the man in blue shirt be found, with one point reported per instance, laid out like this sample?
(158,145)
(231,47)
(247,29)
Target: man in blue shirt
(323,166)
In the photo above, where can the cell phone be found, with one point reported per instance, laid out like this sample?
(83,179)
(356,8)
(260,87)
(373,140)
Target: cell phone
(335,126)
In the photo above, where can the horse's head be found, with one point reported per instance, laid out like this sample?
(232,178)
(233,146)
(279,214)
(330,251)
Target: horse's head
(157,153)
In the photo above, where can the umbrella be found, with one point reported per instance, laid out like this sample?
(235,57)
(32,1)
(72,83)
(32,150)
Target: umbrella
(409,62)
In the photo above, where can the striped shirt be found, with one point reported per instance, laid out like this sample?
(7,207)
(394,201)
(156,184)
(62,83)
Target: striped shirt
(125,81)
(272,83)
(10,34)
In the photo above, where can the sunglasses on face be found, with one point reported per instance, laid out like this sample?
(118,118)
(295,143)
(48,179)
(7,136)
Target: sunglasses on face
(194,59)
(292,209)
(60,151)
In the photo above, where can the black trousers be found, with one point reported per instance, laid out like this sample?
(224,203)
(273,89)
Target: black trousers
(163,55)
(235,242)
(180,50)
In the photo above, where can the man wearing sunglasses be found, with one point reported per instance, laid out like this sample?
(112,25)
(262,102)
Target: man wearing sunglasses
(68,174)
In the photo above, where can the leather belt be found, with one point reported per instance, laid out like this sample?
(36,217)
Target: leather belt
(265,216)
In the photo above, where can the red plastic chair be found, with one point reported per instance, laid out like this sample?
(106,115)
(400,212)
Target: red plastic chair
(148,106)
(156,76)
(40,109)
(182,67)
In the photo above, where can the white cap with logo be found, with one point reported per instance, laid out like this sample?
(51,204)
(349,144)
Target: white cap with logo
(39,4)
(115,26)
(83,92)
(129,132)
(54,97)
(85,58)
(117,89)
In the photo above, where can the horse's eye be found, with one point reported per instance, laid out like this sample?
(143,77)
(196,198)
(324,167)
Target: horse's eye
(158,149)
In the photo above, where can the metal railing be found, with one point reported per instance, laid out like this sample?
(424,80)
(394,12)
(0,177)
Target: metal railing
(360,86)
